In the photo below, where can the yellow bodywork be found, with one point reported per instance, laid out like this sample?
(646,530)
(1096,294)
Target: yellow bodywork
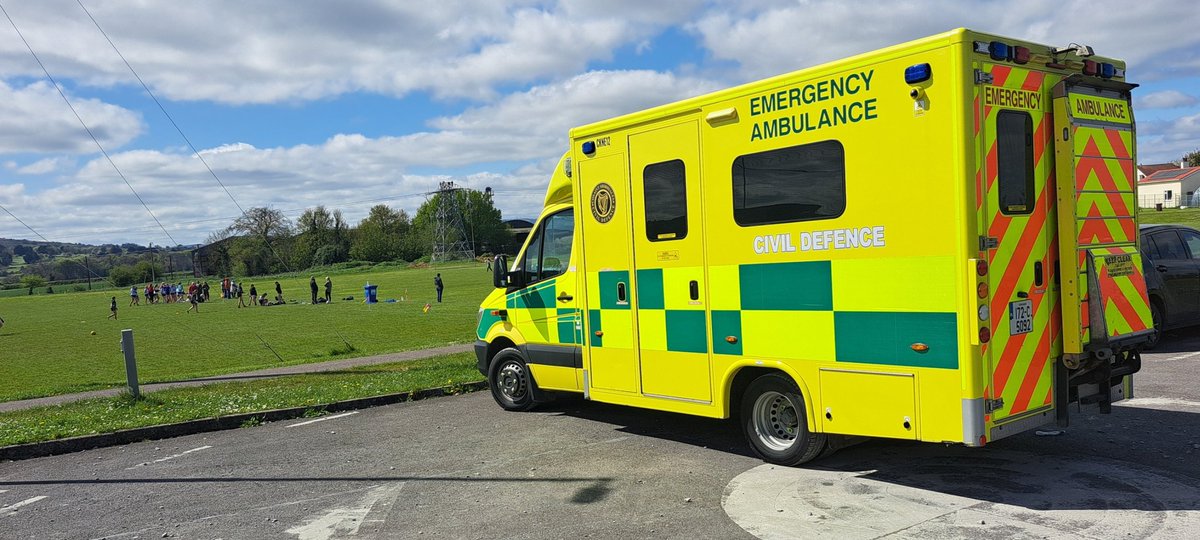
(873,312)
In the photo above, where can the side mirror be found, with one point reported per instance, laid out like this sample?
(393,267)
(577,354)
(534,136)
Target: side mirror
(500,272)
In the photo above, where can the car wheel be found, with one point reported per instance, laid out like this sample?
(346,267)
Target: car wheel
(1156,316)
(775,423)
(509,379)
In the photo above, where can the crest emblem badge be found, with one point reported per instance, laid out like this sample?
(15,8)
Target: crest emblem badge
(604,202)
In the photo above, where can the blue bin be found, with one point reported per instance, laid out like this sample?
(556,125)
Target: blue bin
(369,294)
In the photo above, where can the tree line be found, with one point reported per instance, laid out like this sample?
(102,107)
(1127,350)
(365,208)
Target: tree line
(265,241)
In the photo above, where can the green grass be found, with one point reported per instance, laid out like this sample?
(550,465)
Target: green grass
(182,404)
(1178,216)
(47,346)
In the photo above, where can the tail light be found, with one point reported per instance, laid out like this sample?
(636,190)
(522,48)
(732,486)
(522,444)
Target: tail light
(981,267)
(985,335)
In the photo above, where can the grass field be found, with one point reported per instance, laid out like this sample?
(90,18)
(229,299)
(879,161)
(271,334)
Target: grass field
(47,346)
(1178,216)
(183,404)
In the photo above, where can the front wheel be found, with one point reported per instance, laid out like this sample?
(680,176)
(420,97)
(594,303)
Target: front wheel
(510,381)
(775,423)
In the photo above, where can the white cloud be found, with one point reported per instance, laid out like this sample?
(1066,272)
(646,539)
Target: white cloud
(35,119)
(47,166)
(766,39)
(1166,99)
(268,52)
(1168,140)
(528,127)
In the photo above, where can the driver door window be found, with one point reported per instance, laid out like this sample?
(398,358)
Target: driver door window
(549,252)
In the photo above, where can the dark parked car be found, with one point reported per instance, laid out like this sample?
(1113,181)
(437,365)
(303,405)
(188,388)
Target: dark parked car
(1171,262)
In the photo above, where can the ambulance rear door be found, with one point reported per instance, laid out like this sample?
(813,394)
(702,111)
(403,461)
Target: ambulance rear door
(1018,191)
(1105,305)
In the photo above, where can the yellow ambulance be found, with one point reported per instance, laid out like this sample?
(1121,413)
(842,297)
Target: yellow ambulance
(934,241)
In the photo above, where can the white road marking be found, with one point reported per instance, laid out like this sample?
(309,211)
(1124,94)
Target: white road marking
(322,419)
(160,460)
(345,521)
(1158,403)
(1183,356)
(12,508)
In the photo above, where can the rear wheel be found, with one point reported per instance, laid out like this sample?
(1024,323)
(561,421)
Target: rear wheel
(509,379)
(775,423)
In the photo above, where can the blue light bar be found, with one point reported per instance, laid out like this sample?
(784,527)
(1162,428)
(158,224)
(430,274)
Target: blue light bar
(589,147)
(1107,70)
(998,50)
(917,73)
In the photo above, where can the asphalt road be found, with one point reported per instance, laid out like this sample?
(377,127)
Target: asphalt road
(459,467)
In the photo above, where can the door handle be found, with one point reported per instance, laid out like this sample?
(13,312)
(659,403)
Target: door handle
(1022,294)
(694,290)
(564,297)
(1038,277)
(1161,268)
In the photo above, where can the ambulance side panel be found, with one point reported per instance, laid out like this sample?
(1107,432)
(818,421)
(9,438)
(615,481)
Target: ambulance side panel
(865,302)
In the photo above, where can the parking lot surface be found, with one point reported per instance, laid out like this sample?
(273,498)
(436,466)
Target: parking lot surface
(459,467)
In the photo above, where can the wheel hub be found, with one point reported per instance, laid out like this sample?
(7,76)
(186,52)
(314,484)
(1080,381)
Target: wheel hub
(512,381)
(776,420)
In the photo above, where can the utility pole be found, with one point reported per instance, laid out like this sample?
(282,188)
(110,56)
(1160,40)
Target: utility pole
(89,271)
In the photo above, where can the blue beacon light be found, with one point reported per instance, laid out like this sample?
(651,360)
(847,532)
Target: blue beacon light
(917,73)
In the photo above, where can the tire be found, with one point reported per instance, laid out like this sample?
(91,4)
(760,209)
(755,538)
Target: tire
(1156,316)
(775,423)
(509,379)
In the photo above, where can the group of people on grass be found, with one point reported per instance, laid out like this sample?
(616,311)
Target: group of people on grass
(170,293)
(197,292)
(167,293)
(232,290)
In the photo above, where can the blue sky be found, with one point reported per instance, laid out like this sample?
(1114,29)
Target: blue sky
(298,104)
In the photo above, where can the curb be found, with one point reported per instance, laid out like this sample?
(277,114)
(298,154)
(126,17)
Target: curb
(191,427)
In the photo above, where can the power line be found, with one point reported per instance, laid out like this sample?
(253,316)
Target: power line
(266,238)
(84,124)
(14,216)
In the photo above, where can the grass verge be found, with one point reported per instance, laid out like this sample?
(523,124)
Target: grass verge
(64,343)
(1178,216)
(107,415)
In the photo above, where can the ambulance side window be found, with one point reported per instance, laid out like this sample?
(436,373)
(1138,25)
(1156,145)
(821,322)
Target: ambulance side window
(666,200)
(798,183)
(556,248)
(549,251)
(1014,161)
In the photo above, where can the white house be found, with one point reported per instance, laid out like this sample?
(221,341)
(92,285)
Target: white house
(1172,188)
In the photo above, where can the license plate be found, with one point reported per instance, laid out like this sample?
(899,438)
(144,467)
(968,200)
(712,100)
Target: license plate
(1020,317)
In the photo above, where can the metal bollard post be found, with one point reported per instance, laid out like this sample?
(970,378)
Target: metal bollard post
(130,362)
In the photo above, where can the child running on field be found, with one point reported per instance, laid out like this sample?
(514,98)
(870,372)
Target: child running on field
(133,296)
(113,307)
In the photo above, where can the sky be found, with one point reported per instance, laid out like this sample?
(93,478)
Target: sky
(349,104)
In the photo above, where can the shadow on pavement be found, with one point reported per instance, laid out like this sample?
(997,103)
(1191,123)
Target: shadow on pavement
(1143,466)
(1133,459)
(721,435)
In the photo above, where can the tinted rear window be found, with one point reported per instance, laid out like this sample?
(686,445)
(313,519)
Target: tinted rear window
(798,183)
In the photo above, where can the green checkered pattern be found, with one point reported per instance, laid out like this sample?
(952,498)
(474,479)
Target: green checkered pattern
(786,311)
